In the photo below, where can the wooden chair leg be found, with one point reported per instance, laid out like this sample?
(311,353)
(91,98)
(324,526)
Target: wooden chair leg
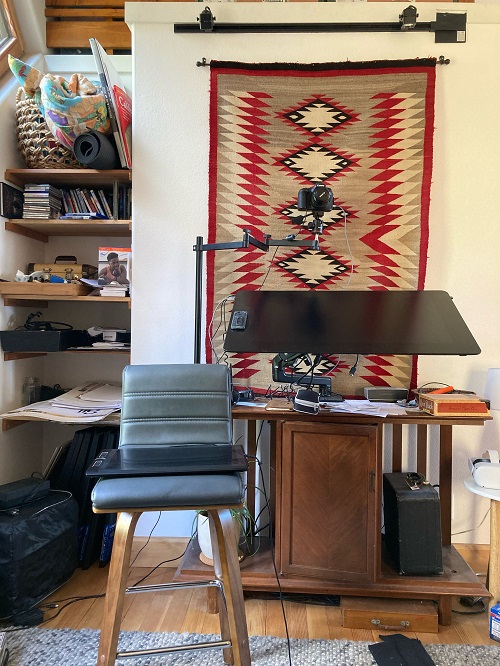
(227,569)
(117,583)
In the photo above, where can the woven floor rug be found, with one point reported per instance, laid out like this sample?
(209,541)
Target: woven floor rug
(363,129)
(65,647)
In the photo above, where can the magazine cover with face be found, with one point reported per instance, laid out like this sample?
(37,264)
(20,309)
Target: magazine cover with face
(114,264)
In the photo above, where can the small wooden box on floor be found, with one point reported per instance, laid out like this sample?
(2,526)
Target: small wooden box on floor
(389,614)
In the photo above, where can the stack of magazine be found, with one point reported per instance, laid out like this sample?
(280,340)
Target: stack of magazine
(114,265)
(41,201)
(86,403)
(118,102)
(95,532)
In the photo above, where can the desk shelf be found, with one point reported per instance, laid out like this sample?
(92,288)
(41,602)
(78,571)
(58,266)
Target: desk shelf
(257,573)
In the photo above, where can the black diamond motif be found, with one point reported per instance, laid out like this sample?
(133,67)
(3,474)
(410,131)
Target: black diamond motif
(318,116)
(313,267)
(316,163)
(296,216)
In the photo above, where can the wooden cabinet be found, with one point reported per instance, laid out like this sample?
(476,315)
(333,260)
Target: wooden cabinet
(328,501)
(326,508)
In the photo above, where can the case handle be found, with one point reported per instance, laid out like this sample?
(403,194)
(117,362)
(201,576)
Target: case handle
(388,627)
(65,259)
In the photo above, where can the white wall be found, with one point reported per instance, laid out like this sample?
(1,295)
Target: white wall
(170,137)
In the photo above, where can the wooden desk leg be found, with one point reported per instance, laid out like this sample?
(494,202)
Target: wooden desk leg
(444,610)
(445,477)
(494,566)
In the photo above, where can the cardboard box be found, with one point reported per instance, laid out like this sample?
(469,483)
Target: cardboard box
(389,614)
(495,622)
(452,404)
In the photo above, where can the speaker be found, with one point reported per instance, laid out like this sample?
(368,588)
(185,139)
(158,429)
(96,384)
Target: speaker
(385,394)
(412,519)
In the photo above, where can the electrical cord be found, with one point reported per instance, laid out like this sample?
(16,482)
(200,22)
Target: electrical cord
(473,528)
(273,559)
(222,322)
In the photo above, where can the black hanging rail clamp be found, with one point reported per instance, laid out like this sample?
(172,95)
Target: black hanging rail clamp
(449,27)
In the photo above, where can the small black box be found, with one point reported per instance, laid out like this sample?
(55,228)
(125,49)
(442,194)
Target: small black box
(42,341)
(412,521)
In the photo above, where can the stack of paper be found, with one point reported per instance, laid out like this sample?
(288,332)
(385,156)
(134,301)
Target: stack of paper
(87,403)
(382,409)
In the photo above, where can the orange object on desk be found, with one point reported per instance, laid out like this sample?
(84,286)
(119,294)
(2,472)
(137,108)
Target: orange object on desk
(443,389)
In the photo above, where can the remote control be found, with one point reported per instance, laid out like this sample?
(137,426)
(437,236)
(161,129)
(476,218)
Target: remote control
(239,320)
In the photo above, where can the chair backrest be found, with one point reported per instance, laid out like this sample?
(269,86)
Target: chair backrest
(175,404)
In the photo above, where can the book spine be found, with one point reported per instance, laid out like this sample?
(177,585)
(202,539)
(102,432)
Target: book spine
(116,194)
(97,203)
(107,210)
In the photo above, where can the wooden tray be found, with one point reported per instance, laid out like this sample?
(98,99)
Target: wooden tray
(44,288)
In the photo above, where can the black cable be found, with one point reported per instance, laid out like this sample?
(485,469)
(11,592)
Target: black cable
(274,561)
(147,541)
(173,559)
(269,268)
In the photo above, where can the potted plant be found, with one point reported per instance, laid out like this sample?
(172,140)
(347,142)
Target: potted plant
(243,524)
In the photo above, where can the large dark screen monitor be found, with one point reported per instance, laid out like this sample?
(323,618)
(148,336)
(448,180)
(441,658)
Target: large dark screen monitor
(350,322)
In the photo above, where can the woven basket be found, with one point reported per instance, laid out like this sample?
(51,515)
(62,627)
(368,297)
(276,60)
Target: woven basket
(38,146)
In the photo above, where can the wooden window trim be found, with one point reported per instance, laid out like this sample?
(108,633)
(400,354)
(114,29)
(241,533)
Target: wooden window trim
(14,45)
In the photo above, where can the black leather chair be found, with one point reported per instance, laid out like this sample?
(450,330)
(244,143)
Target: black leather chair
(164,405)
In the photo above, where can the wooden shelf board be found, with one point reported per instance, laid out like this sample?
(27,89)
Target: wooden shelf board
(17,299)
(16,356)
(69,177)
(9,422)
(42,229)
(258,574)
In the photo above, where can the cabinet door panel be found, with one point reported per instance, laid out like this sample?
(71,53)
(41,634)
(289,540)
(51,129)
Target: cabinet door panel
(328,501)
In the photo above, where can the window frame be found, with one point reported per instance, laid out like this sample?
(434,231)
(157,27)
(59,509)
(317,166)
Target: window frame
(15,45)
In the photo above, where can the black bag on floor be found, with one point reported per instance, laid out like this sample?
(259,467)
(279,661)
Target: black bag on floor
(38,551)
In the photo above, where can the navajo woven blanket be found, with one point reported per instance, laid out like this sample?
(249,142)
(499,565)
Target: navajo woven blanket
(363,129)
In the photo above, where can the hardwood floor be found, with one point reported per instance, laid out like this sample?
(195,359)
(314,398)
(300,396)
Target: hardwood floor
(186,610)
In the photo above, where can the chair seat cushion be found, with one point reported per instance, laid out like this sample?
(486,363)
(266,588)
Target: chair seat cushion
(150,492)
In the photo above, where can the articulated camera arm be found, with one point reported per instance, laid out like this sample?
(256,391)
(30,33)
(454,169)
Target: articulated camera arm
(247,241)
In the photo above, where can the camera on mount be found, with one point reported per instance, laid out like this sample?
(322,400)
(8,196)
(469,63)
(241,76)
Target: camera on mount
(318,198)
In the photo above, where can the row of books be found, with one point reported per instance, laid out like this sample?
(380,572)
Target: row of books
(95,531)
(115,205)
(81,200)
(44,201)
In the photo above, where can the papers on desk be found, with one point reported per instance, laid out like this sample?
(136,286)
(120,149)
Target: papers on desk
(380,409)
(87,403)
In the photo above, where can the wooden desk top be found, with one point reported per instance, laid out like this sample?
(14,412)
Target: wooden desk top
(260,413)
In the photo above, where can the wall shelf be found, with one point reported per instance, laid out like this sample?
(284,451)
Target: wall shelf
(13,421)
(69,177)
(41,230)
(16,356)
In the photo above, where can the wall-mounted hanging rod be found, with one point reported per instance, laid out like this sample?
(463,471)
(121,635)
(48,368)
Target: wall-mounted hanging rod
(448,27)
(440,61)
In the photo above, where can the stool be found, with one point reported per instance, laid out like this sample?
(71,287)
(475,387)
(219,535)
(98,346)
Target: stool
(493,582)
(165,405)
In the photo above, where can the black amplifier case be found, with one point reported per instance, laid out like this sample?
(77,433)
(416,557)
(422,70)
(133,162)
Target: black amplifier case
(38,551)
(412,521)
